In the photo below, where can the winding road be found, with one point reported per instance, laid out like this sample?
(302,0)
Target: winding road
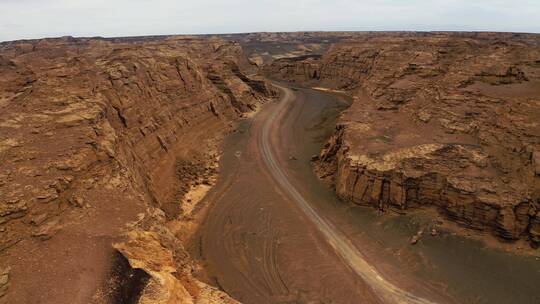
(343,247)
(262,240)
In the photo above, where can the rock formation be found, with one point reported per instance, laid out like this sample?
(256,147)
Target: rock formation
(92,133)
(154,248)
(103,140)
(440,119)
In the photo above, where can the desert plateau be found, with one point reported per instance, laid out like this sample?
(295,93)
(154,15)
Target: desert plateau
(271,167)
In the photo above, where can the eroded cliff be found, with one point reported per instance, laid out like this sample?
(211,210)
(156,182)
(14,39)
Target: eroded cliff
(96,133)
(445,120)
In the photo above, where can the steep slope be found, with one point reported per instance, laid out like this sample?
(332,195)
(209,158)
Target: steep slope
(445,120)
(96,133)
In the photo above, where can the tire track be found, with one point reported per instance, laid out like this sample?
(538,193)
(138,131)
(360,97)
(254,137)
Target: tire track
(343,246)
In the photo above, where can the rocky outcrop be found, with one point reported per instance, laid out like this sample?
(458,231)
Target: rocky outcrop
(443,120)
(4,283)
(153,247)
(91,135)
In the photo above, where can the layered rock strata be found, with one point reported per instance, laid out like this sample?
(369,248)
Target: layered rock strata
(445,120)
(92,134)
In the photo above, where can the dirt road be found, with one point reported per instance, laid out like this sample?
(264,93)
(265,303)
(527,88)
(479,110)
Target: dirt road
(262,241)
(342,246)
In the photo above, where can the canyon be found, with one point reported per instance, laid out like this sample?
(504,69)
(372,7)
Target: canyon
(216,168)
(96,134)
(444,120)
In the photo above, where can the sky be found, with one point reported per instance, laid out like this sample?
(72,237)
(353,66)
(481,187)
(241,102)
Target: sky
(23,19)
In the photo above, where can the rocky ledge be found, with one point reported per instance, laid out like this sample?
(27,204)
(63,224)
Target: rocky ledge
(444,120)
(96,133)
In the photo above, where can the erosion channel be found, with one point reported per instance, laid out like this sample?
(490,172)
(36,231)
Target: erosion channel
(276,234)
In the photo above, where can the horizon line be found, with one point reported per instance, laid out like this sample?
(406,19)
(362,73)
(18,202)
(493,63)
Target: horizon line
(274,32)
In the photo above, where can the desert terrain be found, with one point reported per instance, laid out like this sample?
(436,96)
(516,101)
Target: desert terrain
(306,167)
(451,122)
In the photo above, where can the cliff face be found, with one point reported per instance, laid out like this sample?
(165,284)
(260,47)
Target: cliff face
(94,132)
(445,120)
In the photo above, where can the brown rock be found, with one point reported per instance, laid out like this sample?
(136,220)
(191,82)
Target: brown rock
(47,230)
(100,122)
(77,201)
(417,237)
(4,281)
(160,254)
(536,162)
(425,130)
(12,209)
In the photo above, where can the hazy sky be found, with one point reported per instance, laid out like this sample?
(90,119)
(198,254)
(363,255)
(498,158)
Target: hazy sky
(49,18)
